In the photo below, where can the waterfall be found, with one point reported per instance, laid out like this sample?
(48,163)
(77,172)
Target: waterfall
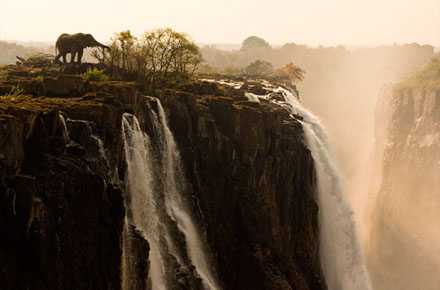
(141,201)
(64,127)
(156,211)
(340,250)
(101,149)
(177,208)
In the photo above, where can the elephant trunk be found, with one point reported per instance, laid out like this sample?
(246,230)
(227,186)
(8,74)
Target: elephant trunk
(98,44)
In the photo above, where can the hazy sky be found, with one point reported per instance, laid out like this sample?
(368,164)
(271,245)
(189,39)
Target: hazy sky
(328,22)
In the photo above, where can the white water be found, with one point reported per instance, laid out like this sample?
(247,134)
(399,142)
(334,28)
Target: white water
(101,149)
(177,208)
(64,125)
(148,210)
(142,210)
(341,255)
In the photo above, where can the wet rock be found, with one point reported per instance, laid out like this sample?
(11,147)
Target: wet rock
(251,187)
(136,261)
(11,149)
(60,217)
(75,149)
(254,185)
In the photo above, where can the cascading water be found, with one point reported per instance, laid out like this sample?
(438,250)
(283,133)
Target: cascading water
(154,212)
(140,202)
(101,149)
(176,207)
(341,255)
(64,127)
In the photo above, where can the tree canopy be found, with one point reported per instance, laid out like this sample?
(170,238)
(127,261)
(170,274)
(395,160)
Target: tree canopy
(291,72)
(254,42)
(259,68)
(154,56)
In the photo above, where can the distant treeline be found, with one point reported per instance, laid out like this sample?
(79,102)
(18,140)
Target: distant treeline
(317,60)
(391,57)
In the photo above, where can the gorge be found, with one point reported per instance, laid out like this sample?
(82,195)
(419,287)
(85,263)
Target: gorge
(76,196)
(219,145)
(218,184)
(402,239)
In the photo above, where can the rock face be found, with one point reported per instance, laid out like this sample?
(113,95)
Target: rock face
(403,247)
(256,202)
(251,179)
(61,217)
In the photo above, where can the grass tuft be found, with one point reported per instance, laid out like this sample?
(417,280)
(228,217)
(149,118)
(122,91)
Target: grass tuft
(96,75)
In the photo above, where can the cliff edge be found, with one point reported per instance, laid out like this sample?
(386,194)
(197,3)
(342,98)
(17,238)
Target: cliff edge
(251,182)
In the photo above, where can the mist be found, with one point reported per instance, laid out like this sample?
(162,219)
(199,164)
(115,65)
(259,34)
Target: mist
(311,22)
(346,89)
(369,71)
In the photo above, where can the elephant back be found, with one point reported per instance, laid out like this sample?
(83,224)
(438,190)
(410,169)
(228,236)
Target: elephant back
(62,40)
(69,42)
(62,37)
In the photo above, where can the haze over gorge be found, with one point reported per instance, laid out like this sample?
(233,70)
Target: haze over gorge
(219,145)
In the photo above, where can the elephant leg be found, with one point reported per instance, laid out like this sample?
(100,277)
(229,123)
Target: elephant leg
(57,58)
(72,57)
(65,58)
(80,55)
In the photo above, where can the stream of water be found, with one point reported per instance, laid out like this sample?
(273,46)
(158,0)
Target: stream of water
(151,207)
(342,259)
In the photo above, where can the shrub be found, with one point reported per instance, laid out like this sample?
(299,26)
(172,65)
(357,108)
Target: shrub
(154,57)
(259,68)
(254,42)
(207,69)
(291,72)
(96,75)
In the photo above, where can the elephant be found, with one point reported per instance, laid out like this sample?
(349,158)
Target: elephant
(75,44)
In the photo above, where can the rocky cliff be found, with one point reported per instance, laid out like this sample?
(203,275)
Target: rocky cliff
(62,169)
(402,250)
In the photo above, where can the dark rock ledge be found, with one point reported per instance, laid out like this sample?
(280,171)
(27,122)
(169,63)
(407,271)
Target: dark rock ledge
(251,178)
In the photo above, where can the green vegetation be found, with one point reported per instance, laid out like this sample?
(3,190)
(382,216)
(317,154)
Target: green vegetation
(291,72)
(322,63)
(254,43)
(153,59)
(96,75)
(232,71)
(259,68)
(426,78)
(43,104)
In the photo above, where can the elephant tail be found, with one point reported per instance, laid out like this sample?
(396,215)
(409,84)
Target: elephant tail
(56,49)
(57,56)
(57,44)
